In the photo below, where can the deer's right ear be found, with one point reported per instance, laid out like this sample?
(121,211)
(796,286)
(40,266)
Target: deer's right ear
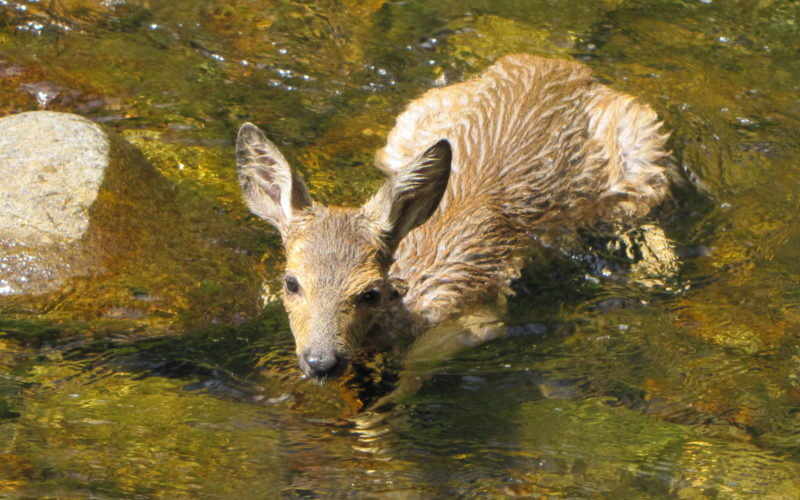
(272,190)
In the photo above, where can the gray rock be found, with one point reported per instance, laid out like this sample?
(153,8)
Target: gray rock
(52,166)
(74,200)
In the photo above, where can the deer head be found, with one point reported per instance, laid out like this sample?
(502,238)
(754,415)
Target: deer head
(336,281)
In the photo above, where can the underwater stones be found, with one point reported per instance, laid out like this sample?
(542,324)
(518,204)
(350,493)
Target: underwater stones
(74,201)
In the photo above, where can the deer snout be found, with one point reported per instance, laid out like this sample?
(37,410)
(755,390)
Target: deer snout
(322,364)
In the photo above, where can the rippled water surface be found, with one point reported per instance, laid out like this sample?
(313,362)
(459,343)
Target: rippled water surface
(615,379)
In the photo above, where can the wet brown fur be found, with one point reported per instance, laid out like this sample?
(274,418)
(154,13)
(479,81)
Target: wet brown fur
(533,144)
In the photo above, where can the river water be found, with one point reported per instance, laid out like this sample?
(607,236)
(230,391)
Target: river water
(615,380)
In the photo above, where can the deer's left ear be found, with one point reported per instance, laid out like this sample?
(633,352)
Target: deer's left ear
(410,197)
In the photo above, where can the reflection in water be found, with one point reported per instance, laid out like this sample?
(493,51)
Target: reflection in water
(620,374)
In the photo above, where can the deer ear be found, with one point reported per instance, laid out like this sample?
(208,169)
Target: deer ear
(272,190)
(410,197)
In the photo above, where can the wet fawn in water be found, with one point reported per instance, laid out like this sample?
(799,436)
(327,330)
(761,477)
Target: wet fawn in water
(475,170)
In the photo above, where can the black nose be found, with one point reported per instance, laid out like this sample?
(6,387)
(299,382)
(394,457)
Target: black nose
(322,365)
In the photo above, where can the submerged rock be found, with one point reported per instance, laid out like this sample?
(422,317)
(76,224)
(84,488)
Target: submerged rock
(74,201)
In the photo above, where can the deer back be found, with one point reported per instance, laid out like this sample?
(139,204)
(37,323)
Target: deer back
(537,143)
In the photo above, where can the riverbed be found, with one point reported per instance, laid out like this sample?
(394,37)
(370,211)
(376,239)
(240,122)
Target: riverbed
(615,379)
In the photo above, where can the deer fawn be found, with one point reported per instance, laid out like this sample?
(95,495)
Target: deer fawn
(475,170)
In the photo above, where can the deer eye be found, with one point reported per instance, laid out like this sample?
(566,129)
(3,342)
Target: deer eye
(370,298)
(292,286)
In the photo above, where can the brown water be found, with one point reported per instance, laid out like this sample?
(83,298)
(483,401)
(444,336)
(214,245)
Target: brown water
(605,387)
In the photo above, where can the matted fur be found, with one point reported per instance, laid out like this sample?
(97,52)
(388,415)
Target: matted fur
(537,143)
(531,144)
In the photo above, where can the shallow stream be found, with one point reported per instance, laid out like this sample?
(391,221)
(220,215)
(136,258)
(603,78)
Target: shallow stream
(157,383)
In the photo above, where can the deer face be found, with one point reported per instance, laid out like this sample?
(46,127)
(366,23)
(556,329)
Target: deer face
(337,259)
(335,285)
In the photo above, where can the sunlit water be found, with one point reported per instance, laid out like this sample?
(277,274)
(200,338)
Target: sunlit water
(613,380)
